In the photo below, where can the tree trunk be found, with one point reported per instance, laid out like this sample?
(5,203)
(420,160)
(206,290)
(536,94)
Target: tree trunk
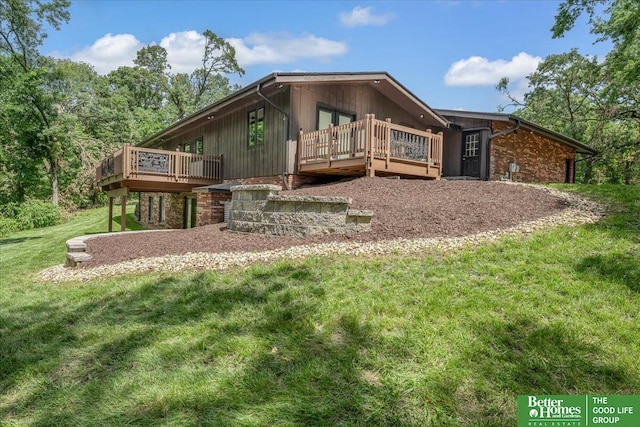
(588,171)
(628,172)
(55,185)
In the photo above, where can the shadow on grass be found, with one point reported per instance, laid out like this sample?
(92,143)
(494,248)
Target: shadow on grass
(12,240)
(251,351)
(525,356)
(622,204)
(535,357)
(619,268)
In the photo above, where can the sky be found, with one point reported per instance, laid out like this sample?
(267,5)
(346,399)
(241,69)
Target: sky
(451,54)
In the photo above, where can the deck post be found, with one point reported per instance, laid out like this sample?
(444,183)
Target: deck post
(388,142)
(370,171)
(300,154)
(176,162)
(123,213)
(440,148)
(110,227)
(330,144)
(126,163)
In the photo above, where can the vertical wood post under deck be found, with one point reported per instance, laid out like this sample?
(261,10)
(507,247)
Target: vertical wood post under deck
(110,226)
(123,213)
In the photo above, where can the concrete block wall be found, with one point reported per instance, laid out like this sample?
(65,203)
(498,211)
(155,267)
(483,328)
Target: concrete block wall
(261,209)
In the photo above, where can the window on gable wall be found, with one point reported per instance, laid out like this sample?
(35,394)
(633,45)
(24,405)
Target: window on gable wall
(256,127)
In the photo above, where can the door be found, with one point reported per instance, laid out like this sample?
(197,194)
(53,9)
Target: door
(471,155)
(190,205)
(342,142)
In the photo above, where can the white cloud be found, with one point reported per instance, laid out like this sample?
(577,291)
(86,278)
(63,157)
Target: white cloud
(109,52)
(280,48)
(185,48)
(361,16)
(479,71)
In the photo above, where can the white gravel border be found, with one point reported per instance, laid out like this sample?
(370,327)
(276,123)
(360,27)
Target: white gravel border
(580,211)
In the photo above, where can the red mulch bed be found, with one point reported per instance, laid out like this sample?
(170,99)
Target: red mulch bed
(402,208)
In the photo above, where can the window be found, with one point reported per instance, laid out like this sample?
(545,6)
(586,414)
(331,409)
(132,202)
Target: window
(161,209)
(150,209)
(472,145)
(328,116)
(256,127)
(195,147)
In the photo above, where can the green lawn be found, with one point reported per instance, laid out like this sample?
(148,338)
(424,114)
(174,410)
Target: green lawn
(431,340)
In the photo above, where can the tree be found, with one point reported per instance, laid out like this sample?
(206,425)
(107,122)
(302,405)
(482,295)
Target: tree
(616,21)
(620,26)
(21,33)
(591,101)
(187,93)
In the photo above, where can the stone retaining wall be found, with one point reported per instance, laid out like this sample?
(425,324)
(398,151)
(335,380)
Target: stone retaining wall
(261,209)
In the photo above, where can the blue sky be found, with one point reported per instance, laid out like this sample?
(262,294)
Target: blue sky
(449,53)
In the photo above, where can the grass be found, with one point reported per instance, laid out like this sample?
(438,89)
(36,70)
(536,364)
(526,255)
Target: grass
(431,340)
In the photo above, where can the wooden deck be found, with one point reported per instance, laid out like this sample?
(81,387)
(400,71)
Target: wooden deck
(146,169)
(371,147)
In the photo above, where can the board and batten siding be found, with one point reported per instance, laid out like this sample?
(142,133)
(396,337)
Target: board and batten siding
(227,135)
(358,99)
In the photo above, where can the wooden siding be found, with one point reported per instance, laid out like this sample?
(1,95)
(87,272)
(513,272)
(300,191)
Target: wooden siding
(359,99)
(227,135)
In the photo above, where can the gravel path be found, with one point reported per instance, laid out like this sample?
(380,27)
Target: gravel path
(409,216)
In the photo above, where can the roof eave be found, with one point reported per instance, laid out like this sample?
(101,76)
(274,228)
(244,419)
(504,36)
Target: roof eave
(580,147)
(209,109)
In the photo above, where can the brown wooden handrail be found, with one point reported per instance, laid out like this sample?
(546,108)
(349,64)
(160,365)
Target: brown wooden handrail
(371,138)
(131,161)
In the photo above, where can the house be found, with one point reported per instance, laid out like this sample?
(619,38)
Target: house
(292,129)
(495,146)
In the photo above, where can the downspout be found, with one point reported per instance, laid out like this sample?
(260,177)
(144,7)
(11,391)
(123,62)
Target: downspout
(285,173)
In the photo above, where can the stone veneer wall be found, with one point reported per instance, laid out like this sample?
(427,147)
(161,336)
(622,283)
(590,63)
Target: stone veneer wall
(173,209)
(210,209)
(541,159)
(261,209)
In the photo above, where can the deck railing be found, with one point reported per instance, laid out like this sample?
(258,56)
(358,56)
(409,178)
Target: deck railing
(137,162)
(378,139)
